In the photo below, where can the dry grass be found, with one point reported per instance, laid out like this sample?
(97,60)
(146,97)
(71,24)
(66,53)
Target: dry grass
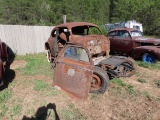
(29,94)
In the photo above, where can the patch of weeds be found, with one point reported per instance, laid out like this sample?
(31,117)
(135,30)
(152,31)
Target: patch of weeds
(71,106)
(5,95)
(143,64)
(131,89)
(51,91)
(44,103)
(158,83)
(72,113)
(67,114)
(155,66)
(16,109)
(45,88)
(138,74)
(121,89)
(141,80)
(40,85)
(36,65)
(119,82)
(148,96)
(4,109)
(94,96)
(30,111)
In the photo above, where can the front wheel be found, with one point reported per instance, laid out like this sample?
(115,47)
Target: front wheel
(99,81)
(149,58)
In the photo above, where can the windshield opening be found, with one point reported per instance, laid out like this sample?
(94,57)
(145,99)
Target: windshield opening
(136,33)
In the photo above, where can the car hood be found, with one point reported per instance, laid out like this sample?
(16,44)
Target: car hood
(154,41)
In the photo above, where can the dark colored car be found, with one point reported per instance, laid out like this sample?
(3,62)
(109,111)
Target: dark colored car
(3,60)
(131,42)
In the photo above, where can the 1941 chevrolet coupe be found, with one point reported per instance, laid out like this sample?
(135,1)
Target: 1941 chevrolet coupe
(79,53)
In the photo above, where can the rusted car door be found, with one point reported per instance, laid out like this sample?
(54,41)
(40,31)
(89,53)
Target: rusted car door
(73,71)
(121,42)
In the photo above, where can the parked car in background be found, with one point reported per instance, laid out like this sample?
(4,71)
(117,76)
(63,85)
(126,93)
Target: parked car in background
(3,60)
(131,42)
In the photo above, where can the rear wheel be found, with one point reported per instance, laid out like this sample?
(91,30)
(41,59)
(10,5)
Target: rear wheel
(149,58)
(99,81)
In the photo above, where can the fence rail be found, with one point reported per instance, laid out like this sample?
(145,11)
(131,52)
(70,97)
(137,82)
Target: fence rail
(25,39)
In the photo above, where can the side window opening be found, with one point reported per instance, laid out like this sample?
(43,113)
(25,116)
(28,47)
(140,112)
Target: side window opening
(122,34)
(111,33)
(76,53)
(53,34)
(94,30)
(80,30)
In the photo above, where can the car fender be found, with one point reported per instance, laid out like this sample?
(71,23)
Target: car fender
(139,51)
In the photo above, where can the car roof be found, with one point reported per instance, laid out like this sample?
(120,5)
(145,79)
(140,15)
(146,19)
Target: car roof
(74,24)
(128,29)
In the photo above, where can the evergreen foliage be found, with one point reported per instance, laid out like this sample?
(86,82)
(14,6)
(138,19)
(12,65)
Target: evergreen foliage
(50,12)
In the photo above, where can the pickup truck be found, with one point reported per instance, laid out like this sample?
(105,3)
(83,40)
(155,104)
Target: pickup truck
(131,42)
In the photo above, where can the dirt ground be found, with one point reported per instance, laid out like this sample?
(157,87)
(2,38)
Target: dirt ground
(108,106)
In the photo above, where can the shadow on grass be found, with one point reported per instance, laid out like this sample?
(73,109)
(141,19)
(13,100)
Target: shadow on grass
(8,78)
(43,113)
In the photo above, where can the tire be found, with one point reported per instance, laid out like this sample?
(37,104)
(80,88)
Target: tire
(133,64)
(125,69)
(149,58)
(100,81)
(49,56)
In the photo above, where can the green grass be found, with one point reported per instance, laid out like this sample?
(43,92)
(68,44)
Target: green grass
(150,97)
(72,113)
(43,87)
(158,83)
(40,85)
(16,110)
(36,65)
(141,80)
(4,110)
(119,82)
(5,95)
(155,66)
(122,89)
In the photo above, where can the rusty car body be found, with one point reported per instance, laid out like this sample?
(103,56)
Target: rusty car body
(131,42)
(78,32)
(88,71)
(3,59)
